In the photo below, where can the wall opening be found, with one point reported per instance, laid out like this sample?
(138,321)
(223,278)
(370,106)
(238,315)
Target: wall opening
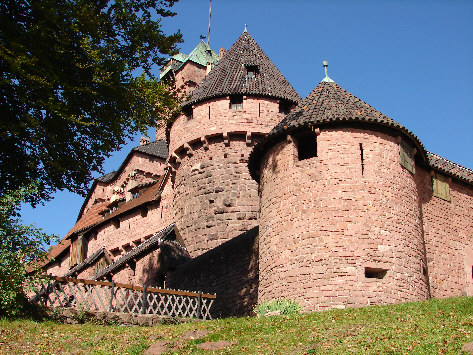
(188,112)
(251,71)
(284,107)
(362,159)
(236,102)
(375,273)
(306,145)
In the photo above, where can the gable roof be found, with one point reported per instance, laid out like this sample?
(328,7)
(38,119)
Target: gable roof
(228,76)
(155,240)
(329,103)
(158,148)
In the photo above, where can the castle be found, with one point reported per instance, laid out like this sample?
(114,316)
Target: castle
(253,193)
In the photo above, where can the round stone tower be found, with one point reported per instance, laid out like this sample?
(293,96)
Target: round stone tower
(243,96)
(340,220)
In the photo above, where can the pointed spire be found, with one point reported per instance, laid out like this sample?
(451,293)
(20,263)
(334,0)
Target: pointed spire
(326,79)
(245,29)
(230,75)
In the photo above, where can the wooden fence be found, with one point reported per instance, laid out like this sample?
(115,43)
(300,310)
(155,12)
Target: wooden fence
(116,297)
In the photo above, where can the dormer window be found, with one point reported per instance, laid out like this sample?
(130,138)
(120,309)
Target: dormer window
(236,102)
(251,71)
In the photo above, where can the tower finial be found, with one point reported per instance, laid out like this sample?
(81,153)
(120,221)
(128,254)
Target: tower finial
(245,28)
(326,79)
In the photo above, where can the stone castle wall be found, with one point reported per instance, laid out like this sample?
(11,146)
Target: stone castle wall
(448,233)
(230,270)
(324,223)
(215,198)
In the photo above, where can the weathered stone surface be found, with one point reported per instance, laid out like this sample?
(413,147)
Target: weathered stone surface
(158,348)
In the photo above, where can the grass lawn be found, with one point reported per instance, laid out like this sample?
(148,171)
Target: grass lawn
(431,327)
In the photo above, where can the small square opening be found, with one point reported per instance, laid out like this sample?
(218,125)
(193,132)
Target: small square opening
(188,112)
(236,102)
(375,273)
(306,145)
(251,71)
(284,107)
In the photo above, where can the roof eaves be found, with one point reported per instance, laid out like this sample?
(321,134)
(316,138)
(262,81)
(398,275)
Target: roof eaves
(155,240)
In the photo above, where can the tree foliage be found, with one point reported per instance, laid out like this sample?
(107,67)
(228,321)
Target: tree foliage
(20,246)
(69,89)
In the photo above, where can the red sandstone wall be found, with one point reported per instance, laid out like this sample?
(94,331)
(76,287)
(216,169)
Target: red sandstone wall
(190,71)
(230,271)
(322,222)
(215,198)
(152,168)
(448,233)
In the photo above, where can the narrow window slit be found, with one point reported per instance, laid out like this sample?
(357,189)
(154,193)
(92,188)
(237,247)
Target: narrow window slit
(362,159)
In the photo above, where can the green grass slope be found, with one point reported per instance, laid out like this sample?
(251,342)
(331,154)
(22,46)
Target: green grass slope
(431,327)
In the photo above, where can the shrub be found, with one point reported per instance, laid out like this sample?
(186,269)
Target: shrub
(284,306)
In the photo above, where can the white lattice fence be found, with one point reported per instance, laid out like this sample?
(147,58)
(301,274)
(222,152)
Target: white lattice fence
(115,297)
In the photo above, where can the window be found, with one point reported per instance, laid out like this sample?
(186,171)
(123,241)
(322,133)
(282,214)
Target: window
(440,187)
(135,194)
(251,71)
(284,107)
(407,157)
(236,102)
(188,112)
(306,145)
(375,273)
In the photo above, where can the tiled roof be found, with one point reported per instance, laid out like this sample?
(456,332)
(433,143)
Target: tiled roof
(328,103)
(158,148)
(155,240)
(229,75)
(91,217)
(450,168)
(107,177)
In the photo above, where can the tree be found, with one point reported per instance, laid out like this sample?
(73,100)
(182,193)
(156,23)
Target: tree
(70,94)
(20,246)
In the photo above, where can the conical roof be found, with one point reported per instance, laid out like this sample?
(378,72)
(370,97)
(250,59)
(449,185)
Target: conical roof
(327,104)
(229,75)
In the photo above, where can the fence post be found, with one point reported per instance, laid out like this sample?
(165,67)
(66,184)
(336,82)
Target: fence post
(111,296)
(199,305)
(144,301)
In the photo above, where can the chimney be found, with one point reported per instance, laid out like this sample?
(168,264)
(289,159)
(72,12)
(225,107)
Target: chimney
(221,53)
(209,67)
(144,140)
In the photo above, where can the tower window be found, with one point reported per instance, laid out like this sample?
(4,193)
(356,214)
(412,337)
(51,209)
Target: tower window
(236,102)
(188,112)
(306,145)
(284,107)
(251,71)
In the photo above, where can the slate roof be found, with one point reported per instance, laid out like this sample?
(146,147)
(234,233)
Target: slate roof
(329,103)
(200,55)
(229,75)
(155,240)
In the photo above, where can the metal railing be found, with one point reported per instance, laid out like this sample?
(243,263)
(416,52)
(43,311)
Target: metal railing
(117,297)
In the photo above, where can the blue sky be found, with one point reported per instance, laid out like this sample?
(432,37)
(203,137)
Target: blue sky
(411,60)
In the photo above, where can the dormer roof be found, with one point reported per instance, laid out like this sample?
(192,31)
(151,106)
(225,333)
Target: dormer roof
(230,75)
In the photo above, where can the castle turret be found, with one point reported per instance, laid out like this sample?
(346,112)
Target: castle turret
(340,220)
(243,96)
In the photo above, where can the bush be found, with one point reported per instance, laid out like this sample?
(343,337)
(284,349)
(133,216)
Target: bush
(284,306)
